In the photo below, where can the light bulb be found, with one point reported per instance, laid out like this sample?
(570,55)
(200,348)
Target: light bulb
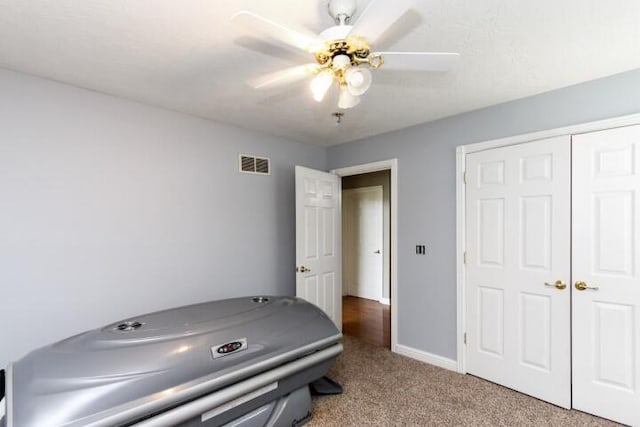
(347,100)
(340,61)
(321,84)
(358,80)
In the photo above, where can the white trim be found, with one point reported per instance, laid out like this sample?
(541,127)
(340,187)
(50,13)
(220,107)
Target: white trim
(615,122)
(366,168)
(392,165)
(461,168)
(2,410)
(430,358)
(461,152)
(385,301)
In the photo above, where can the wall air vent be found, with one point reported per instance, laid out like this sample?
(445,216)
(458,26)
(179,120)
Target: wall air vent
(254,165)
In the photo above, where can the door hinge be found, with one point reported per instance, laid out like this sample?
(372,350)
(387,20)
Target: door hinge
(464,257)
(464,177)
(465,338)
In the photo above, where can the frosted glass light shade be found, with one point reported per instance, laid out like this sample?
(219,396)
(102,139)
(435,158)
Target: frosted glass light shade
(340,61)
(321,84)
(358,80)
(347,100)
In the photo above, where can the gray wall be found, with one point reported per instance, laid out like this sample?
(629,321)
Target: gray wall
(382,178)
(426,190)
(109,209)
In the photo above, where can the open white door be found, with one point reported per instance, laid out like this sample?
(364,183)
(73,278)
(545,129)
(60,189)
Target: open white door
(518,313)
(363,231)
(318,241)
(606,274)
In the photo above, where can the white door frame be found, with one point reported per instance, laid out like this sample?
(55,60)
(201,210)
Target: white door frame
(461,152)
(392,165)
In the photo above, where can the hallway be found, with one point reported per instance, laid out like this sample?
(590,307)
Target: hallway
(367,320)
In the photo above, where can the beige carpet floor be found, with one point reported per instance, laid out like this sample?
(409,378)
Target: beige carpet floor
(385,389)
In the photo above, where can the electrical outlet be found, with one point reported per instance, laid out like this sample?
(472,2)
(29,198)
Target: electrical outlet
(421,250)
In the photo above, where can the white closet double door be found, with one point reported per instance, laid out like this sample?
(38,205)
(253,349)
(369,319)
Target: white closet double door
(552,278)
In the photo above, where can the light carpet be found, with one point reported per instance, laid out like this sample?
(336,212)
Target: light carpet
(385,389)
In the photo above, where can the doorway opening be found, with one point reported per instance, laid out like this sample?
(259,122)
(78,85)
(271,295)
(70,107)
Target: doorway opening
(366,257)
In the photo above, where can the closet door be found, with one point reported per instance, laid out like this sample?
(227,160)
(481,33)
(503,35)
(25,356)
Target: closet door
(606,274)
(518,266)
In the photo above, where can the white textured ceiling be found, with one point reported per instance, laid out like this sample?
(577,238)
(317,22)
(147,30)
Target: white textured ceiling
(184,55)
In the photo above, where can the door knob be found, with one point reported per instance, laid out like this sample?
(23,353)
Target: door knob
(303,269)
(559,284)
(582,286)
(377,252)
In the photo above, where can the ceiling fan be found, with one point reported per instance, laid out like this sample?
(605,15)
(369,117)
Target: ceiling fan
(343,53)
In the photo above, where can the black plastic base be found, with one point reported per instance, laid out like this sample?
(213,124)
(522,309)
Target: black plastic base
(325,385)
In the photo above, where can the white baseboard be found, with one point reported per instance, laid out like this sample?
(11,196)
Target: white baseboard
(385,301)
(430,358)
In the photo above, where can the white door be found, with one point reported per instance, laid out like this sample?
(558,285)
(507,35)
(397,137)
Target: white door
(363,230)
(518,224)
(318,241)
(606,259)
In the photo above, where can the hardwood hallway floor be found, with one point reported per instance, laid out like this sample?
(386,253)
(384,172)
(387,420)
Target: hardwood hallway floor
(366,320)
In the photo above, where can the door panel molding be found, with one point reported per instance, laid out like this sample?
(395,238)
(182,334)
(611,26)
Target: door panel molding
(318,241)
(606,232)
(613,164)
(461,209)
(356,275)
(518,331)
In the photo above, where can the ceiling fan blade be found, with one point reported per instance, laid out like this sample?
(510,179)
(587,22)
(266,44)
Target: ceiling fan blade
(378,17)
(301,39)
(419,61)
(286,76)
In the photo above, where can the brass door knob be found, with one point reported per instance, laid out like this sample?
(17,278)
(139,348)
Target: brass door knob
(303,269)
(582,286)
(558,284)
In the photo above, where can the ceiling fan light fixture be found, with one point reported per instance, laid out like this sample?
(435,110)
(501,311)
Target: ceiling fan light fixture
(321,84)
(343,53)
(347,100)
(358,80)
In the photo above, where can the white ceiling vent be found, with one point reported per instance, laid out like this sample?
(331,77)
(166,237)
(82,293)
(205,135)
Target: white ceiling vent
(255,165)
